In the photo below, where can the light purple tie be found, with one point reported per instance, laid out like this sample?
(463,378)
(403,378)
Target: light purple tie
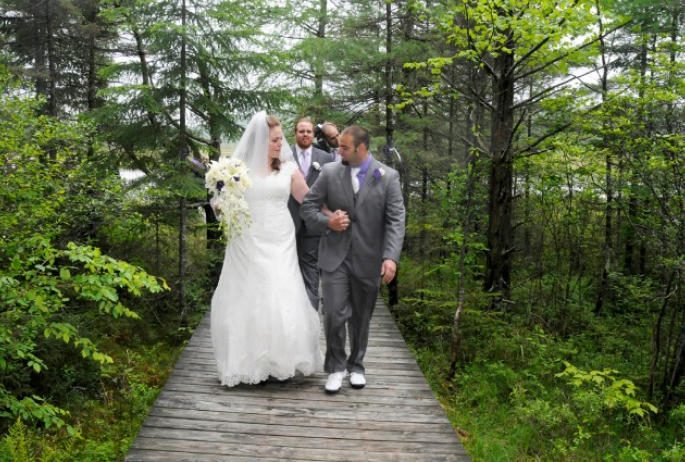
(304,163)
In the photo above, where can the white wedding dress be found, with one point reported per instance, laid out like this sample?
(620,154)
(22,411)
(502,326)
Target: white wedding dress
(262,323)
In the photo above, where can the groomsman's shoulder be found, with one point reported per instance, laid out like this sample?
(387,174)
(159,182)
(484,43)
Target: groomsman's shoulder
(332,165)
(326,157)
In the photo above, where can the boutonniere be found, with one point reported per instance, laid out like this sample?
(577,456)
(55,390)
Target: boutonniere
(378,173)
(316,166)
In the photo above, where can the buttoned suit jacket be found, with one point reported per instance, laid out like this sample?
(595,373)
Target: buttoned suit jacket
(322,157)
(377,215)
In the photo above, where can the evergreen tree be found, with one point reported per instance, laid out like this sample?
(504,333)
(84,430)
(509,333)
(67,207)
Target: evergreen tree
(528,53)
(59,46)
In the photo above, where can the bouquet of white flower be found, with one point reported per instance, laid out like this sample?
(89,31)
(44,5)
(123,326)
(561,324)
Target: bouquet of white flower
(227,180)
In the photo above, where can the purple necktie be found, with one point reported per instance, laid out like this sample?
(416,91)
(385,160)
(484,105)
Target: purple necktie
(305,163)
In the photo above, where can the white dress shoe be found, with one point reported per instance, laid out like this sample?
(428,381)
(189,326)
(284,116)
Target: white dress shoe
(357,380)
(334,382)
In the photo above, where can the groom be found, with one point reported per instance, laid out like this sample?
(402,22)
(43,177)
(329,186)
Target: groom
(359,249)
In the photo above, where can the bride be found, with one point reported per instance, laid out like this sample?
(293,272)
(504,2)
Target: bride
(262,323)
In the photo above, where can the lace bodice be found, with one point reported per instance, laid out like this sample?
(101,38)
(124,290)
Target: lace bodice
(270,194)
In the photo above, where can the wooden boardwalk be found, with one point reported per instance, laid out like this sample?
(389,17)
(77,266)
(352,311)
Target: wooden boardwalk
(394,418)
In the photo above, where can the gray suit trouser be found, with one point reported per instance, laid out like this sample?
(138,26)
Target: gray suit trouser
(348,299)
(308,257)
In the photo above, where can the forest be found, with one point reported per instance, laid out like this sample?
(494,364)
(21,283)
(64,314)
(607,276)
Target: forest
(542,281)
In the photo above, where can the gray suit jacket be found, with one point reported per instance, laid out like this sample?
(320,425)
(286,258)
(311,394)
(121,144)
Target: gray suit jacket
(322,157)
(377,217)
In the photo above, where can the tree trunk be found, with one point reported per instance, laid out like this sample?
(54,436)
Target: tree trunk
(213,234)
(41,80)
(144,71)
(52,64)
(393,293)
(657,343)
(500,231)
(182,253)
(91,91)
(608,248)
(472,160)
(320,34)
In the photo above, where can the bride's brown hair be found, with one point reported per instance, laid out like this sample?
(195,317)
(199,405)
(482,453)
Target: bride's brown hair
(272,121)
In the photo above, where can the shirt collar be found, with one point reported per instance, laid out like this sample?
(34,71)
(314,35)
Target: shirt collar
(364,166)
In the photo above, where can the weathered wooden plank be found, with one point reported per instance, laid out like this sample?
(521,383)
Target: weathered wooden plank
(332,411)
(316,381)
(303,441)
(383,380)
(379,336)
(310,403)
(303,390)
(390,341)
(414,433)
(288,453)
(377,355)
(354,428)
(284,391)
(392,352)
(144,455)
(394,418)
(400,373)
(372,368)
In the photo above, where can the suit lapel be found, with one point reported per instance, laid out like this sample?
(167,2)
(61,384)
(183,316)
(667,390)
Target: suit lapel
(313,173)
(346,181)
(296,157)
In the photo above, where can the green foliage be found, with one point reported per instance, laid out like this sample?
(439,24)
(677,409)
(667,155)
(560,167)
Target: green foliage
(38,293)
(49,285)
(224,45)
(61,32)
(510,401)
(543,38)
(24,444)
(61,351)
(601,392)
(105,427)
(514,398)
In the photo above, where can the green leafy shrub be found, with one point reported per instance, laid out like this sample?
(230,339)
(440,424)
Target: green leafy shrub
(49,285)
(24,444)
(605,390)
(37,292)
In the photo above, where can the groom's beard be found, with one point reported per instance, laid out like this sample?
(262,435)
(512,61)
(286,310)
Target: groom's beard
(344,162)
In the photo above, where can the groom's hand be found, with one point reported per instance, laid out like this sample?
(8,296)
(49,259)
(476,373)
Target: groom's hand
(388,270)
(339,221)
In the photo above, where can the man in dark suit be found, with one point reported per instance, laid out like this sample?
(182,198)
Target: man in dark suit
(310,160)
